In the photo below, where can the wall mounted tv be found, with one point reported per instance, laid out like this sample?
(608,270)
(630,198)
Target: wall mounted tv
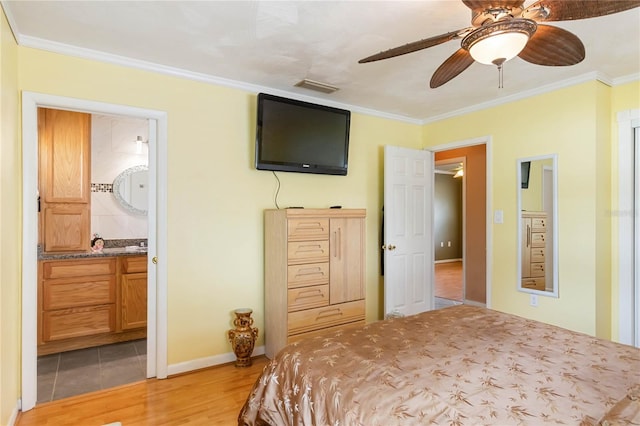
(297,136)
(525,168)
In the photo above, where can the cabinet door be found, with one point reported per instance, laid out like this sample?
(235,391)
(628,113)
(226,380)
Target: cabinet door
(66,227)
(64,180)
(346,259)
(65,156)
(134,300)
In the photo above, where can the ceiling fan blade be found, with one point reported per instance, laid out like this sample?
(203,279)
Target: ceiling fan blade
(553,46)
(416,45)
(454,65)
(567,10)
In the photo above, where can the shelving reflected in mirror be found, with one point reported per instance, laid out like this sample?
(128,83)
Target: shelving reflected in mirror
(538,225)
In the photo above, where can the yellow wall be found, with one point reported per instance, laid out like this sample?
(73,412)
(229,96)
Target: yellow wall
(10,225)
(215,195)
(568,122)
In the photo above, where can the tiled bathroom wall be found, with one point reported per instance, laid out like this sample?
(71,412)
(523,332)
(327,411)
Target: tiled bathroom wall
(114,149)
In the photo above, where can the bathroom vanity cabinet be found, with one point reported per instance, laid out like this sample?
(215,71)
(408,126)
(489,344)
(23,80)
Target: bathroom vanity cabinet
(133,292)
(85,302)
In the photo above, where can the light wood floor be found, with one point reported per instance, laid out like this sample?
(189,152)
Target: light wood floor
(448,276)
(212,396)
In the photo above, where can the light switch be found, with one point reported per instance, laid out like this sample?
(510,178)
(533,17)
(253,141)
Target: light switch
(534,300)
(498,216)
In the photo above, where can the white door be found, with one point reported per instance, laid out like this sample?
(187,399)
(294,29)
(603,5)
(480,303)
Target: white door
(408,219)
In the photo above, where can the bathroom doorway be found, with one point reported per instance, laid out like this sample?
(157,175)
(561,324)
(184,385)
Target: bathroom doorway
(119,203)
(156,342)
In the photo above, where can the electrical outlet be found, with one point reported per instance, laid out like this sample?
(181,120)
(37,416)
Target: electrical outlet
(534,300)
(498,216)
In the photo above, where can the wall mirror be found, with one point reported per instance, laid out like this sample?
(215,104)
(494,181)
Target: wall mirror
(130,188)
(538,225)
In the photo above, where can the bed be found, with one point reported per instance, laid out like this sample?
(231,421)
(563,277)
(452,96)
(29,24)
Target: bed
(454,366)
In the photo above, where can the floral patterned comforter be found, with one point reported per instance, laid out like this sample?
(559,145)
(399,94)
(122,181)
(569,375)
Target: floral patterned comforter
(461,365)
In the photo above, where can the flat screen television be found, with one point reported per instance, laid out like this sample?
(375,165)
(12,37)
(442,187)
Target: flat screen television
(525,168)
(297,136)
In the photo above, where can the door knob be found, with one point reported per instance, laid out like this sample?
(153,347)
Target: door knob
(154,259)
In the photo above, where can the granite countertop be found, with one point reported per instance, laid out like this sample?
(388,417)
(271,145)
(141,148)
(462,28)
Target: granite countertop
(107,251)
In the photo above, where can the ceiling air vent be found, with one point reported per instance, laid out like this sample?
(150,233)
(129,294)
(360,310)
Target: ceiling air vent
(316,85)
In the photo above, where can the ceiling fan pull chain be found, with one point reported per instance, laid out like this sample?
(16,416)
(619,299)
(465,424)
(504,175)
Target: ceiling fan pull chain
(499,62)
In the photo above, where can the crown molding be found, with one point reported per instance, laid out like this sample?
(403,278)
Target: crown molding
(591,76)
(83,53)
(521,95)
(619,81)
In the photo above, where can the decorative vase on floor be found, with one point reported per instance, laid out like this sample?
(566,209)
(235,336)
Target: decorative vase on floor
(243,337)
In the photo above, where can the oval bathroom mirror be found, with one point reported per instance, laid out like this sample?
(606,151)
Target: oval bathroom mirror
(130,188)
(538,225)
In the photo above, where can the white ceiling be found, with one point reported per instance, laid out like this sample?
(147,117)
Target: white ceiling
(270,46)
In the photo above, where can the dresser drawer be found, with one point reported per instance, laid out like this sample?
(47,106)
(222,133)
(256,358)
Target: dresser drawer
(537,270)
(538,224)
(307,274)
(134,264)
(533,283)
(77,322)
(297,337)
(537,254)
(76,292)
(538,239)
(308,297)
(78,268)
(307,252)
(313,319)
(307,229)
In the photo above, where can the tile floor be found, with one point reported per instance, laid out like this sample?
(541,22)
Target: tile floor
(86,370)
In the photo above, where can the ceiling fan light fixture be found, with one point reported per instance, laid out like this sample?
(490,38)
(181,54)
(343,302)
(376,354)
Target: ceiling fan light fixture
(500,41)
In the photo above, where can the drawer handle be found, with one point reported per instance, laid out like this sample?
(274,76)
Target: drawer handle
(308,271)
(309,294)
(309,247)
(336,312)
(306,226)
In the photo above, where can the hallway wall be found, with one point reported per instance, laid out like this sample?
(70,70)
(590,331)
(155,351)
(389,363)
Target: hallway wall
(475,238)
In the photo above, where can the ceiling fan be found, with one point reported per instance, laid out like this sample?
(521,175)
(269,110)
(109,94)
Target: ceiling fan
(503,29)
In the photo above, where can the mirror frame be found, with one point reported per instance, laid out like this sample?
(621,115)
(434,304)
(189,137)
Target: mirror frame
(119,181)
(554,221)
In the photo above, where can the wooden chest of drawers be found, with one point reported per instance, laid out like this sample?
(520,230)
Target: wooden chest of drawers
(534,237)
(314,273)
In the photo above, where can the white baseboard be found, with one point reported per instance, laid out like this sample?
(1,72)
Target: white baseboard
(14,414)
(210,361)
(474,303)
(447,260)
